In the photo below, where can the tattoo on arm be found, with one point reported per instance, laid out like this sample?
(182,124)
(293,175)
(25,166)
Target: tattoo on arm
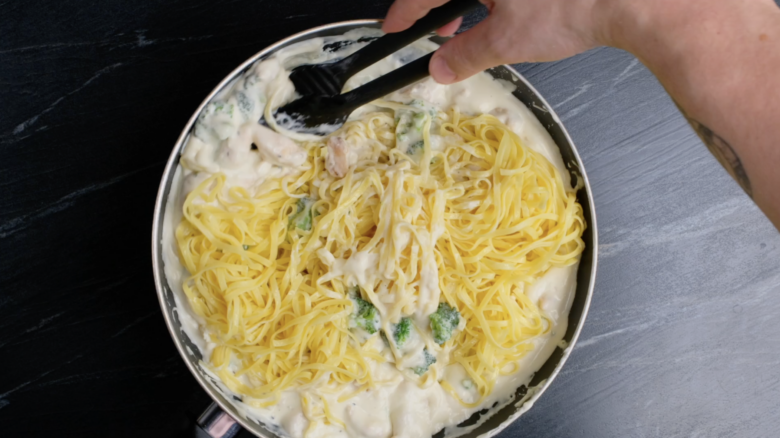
(722,151)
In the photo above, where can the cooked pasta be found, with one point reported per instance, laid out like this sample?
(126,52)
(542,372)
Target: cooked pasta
(470,219)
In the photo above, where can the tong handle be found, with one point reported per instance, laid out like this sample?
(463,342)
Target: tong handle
(388,83)
(393,42)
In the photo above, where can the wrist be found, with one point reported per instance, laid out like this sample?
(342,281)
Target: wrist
(633,25)
(621,22)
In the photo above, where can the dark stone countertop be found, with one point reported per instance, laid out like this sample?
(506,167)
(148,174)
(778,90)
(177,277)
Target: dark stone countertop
(682,335)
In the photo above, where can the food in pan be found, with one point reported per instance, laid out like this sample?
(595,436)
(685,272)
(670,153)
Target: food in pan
(390,279)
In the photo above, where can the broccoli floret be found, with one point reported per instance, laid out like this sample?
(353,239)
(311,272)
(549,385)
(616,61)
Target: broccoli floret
(403,125)
(251,81)
(429,360)
(417,103)
(302,218)
(443,322)
(245,104)
(222,108)
(401,331)
(364,315)
(416,147)
(419,120)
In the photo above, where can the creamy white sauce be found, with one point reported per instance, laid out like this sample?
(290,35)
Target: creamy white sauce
(400,407)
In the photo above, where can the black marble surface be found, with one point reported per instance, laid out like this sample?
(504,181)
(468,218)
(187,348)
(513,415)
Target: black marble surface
(681,341)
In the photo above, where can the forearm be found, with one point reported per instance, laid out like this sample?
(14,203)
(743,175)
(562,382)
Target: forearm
(720,62)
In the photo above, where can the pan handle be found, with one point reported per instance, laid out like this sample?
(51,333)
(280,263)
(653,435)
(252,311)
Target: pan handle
(216,423)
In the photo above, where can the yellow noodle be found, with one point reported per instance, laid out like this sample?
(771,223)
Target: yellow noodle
(486,214)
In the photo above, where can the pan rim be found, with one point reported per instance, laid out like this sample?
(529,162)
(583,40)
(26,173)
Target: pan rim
(164,191)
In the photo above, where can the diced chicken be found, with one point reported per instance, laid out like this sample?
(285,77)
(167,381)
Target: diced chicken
(277,148)
(430,91)
(268,69)
(199,156)
(295,425)
(410,412)
(427,90)
(369,423)
(510,119)
(272,146)
(337,161)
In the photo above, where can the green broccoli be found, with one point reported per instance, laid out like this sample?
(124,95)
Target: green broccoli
(250,81)
(303,217)
(220,108)
(419,120)
(443,322)
(364,315)
(403,125)
(417,103)
(245,104)
(401,331)
(429,360)
(415,148)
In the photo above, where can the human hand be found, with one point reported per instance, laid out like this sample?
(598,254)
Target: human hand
(515,31)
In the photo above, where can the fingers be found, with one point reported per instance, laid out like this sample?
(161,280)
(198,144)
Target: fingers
(450,28)
(483,46)
(463,56)
(403,13)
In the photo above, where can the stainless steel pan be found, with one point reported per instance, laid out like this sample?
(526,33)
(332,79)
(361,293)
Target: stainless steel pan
(218,420)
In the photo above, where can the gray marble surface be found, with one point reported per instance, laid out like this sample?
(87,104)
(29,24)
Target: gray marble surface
(681,340)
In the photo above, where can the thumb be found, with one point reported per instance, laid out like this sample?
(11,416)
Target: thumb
(470,52)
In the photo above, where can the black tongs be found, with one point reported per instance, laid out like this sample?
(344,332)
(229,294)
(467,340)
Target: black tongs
(321,109)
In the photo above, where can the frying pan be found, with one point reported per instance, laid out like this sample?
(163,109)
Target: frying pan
(224,419)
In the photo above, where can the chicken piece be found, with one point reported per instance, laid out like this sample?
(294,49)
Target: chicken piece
(276,148)
(509,118)
(272,146)
(368,421)
(337,161)
(426,90)
(199,156)
(410,412)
